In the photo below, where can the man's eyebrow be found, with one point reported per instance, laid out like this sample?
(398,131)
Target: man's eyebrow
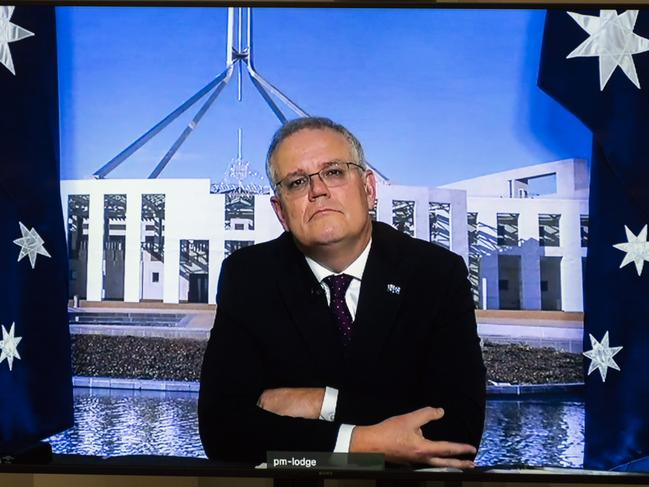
(301,172)
(297,172)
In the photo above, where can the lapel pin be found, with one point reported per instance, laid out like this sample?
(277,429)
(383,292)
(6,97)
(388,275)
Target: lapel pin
(393,289)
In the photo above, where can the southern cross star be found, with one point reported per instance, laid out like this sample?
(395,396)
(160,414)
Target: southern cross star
(636,248)
(30,245)
(9,32)
(611,38)
(601,356)
(9,346)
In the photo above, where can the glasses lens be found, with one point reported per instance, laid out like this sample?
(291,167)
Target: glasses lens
(334,174)
(296,184)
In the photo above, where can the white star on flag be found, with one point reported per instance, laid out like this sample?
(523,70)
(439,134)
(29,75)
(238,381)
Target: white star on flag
(601,356)
(636,248)
(612,40)
(9,32)
(30,245)
(9,346)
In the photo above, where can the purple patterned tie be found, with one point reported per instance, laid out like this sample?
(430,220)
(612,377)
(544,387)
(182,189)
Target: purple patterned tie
(338,286)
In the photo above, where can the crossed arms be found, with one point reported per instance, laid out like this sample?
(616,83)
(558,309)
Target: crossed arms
(400,437)
(243,414)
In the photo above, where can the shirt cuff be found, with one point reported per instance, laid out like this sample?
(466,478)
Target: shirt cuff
(344,438)
(328,409)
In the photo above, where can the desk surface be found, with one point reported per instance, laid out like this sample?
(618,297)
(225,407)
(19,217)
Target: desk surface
(196,467)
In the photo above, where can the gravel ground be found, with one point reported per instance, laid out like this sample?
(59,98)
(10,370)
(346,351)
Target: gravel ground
(180,359)
(137,358)
(522,364)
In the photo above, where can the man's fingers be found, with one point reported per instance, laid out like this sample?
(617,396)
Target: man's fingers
(447,449)
(425,415)
(450,462)
(262,398)
(269,399)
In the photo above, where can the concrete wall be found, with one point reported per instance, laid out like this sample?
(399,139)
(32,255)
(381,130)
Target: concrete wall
(193,213)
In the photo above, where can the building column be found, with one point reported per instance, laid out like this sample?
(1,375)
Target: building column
(421,215)
(530,279)
(487,224)
(572,297)
(216,259)
(459,227)
(528,233)
(132,265)
(171,270)
(95,277)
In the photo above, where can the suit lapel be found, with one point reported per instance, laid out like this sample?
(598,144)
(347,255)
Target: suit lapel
(380,297)
(307,306)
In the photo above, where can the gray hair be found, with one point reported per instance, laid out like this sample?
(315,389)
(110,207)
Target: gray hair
(312,123)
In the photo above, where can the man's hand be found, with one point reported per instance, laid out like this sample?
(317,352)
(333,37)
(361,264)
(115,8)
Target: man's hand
(401,440)
(298,402)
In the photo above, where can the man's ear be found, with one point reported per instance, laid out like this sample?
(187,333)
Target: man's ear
(276,202)
(370,188)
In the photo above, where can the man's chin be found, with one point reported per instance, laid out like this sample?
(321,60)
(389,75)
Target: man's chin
(327,237)
(327,240)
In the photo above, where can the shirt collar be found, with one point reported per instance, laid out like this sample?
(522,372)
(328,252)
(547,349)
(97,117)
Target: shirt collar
(355,269)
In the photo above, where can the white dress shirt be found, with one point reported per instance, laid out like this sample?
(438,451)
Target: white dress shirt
(355,269)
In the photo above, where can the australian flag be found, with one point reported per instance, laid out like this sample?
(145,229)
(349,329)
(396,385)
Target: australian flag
(596,64)
(35,369)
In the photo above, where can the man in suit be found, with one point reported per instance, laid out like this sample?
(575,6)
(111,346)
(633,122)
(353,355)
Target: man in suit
(342,334)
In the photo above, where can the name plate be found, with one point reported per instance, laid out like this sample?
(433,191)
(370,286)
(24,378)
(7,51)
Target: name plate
(290,460)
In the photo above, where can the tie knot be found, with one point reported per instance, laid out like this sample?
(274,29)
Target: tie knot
(338,284)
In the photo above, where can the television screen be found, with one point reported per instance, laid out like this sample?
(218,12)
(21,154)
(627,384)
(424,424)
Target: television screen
(166,114)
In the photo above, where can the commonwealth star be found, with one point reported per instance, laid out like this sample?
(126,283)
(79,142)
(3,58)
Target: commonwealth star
(612,40)
(9,32)
(636,248)
(9,346)
(601,356)
(30,245)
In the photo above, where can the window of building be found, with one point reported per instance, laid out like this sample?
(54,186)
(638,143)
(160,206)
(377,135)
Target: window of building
(155,277)
(583,219)
(114,245)
(507,229)
(232,245)
(439,223)
(194,271)
(549,230)
(550,268)
(78,214)
(472,228)
(509,281)
(403,216)
(534,186)
(153,217)
(474,256)
(239,211)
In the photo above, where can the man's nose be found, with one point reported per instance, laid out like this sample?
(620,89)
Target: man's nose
(317,187)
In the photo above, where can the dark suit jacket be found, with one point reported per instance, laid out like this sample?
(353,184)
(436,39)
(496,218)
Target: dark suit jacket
(412,348)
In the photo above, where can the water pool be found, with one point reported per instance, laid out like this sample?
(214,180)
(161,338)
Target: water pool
(109,422)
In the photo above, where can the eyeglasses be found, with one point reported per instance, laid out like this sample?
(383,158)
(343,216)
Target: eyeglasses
(332,175)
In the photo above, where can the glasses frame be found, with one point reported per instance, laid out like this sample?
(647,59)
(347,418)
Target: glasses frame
(278,184)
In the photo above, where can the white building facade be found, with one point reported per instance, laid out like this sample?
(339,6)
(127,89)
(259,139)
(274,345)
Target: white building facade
(165,239)
(528,249)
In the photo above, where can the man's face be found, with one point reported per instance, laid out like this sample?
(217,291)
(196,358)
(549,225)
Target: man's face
(322,215)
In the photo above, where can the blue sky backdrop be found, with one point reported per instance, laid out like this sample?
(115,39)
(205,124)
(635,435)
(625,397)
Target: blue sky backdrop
(435,95)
